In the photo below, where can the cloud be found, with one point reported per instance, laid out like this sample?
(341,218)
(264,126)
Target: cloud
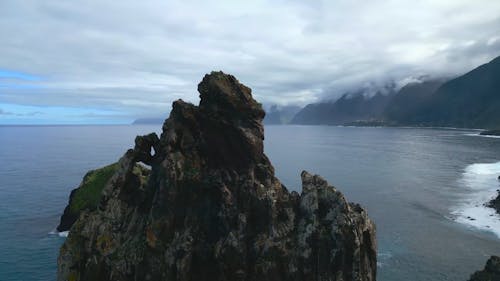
(134,58)
(3,112)
(9,113)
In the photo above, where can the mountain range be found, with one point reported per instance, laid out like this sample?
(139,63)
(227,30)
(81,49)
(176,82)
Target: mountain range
(348,108)
(468,101)
(471,100)
(281,114)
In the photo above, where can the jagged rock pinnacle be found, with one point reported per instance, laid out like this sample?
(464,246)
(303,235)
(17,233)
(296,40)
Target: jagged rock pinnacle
(212,209)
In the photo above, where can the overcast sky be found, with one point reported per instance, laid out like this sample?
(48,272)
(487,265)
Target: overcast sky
(114,61)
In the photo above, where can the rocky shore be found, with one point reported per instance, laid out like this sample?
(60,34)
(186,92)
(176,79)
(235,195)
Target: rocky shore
(210,207)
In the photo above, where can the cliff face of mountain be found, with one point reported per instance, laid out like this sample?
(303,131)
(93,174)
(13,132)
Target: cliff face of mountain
(471,100)
(211,208)
(403,107)
(350,107)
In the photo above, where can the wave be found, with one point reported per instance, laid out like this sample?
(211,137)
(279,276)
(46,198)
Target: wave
(63,234)
(483,136)
(383,258)
(481,183)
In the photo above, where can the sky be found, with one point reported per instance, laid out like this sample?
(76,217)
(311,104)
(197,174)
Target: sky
(110,62)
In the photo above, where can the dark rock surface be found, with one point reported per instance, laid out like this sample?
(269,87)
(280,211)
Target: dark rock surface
(212,209)
(495,203)
(491,271)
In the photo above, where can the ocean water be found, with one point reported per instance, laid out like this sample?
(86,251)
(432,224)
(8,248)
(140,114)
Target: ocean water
(424,188)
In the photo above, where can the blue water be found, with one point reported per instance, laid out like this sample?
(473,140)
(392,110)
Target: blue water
(418,185)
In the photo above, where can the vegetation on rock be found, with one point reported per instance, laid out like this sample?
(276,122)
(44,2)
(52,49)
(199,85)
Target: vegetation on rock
(87,196)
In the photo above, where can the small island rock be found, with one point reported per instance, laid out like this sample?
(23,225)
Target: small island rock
(212,209)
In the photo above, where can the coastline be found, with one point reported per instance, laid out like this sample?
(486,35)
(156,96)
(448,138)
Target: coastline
(481,183)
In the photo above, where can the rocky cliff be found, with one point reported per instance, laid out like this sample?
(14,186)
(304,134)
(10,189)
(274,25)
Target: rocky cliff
(212,209)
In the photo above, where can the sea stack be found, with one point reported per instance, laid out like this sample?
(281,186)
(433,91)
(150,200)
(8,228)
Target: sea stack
(211,208)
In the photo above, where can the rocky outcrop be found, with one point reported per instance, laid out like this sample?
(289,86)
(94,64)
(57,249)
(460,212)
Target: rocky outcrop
(212,209)
(495,203)
(491,271)
(86,197)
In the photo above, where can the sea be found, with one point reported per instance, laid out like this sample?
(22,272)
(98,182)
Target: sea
(425,189)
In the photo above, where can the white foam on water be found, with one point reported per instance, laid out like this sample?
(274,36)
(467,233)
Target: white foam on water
(60,234)
(383,258)
(483,136)
(481,181)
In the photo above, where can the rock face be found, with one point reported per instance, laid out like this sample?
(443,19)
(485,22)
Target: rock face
(212,208)
(491,271)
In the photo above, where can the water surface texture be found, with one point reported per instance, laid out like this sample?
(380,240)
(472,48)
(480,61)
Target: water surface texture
(422,187)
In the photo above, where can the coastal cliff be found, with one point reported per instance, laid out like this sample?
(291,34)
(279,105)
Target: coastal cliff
(210,208)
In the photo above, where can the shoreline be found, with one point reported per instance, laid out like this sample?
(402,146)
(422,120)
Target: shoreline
(480,179)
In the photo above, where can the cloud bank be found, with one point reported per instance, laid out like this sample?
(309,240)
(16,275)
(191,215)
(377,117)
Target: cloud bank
(131,59)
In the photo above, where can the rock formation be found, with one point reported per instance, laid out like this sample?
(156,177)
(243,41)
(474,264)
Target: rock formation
(495,203)
(491,271)
(86,197)
(212,209)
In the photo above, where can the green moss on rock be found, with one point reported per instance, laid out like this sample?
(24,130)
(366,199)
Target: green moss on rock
(88,195)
